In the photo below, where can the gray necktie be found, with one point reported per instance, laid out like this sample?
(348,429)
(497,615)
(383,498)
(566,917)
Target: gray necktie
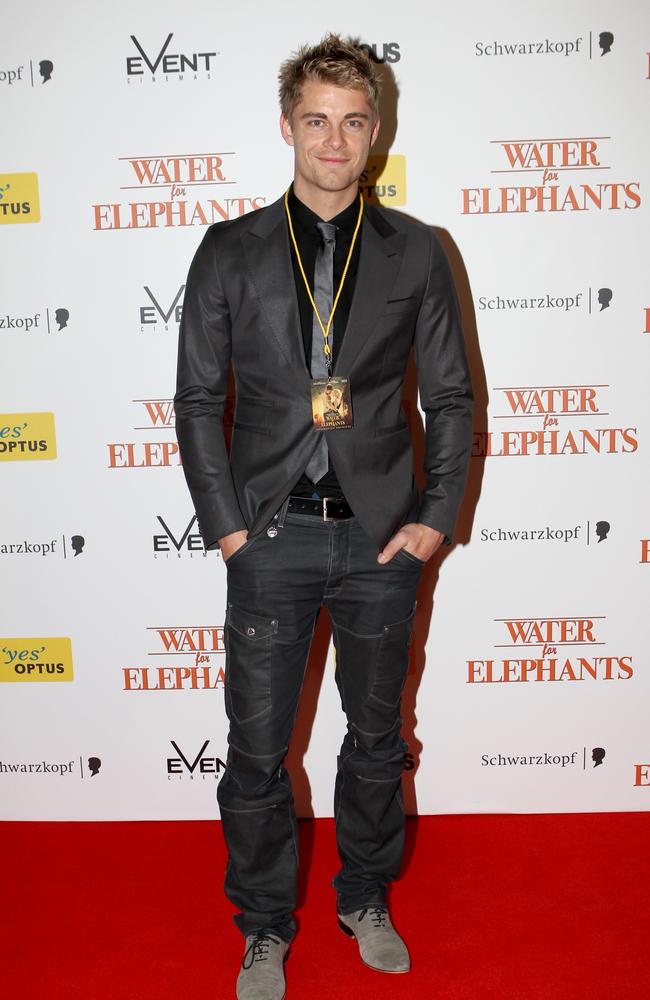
(323,297)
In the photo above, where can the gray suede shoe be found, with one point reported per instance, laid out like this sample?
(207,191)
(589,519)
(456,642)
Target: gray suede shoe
(380,945)
(261,976)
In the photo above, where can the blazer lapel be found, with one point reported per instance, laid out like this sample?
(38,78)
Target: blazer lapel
(379,263)
(266,248)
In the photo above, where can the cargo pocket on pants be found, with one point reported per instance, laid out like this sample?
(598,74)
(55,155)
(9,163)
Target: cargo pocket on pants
(392,662)
(249,640)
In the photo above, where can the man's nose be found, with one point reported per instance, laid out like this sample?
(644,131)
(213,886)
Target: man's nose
(336,138)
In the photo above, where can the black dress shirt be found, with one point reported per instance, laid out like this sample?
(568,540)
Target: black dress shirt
(309,240)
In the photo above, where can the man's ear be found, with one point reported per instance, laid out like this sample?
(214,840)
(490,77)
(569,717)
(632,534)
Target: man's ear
(286,130)
(375,132)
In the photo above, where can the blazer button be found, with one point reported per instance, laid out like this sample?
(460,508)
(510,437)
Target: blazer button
(272,531)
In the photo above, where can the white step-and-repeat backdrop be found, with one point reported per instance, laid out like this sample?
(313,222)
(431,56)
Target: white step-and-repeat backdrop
(521,134)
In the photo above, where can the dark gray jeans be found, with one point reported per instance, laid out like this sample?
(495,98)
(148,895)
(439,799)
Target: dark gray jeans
(276,587)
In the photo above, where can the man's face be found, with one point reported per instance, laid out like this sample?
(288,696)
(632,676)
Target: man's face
(331,131)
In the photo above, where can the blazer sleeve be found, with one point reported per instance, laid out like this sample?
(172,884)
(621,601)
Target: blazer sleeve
(445,396)
(204,353)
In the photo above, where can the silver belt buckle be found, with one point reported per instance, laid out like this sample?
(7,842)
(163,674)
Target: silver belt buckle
(325,514)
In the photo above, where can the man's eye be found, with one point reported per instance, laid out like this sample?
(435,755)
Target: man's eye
(315,121)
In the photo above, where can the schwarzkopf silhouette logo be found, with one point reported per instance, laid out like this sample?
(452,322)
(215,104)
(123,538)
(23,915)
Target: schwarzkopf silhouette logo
(382,52)
(55,319)
(545,759)
(166,63)
(40,72)
(200,766)
(548,533)
(46,68)
(604,298)
(156,315)
(602,530)
(52,767)
(605,41)
(94,765)
(69,547)
(547,46)
(594,300)
(61,317)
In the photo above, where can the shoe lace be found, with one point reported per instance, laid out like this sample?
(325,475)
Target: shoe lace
(257,950)
(378,914)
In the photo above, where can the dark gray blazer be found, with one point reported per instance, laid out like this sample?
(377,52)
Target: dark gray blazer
(241,306)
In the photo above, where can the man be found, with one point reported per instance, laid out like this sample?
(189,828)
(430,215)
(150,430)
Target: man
(313,291)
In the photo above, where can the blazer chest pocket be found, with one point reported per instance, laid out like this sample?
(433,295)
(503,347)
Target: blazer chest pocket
(404,305)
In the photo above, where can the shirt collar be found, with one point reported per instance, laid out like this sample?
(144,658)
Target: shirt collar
(306,219)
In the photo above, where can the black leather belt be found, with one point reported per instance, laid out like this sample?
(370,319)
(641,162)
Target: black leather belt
(329,508)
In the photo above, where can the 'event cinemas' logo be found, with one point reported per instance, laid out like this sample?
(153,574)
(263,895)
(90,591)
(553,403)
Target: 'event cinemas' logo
(543,412)
(153,64)
(595,43)
(27,437)
(152,415)
(203,765)
(19,199)
(167,198)
(383,181)
(189,659)
(549,649)
(36,659)
(172,541)
(161,314)
(550,175)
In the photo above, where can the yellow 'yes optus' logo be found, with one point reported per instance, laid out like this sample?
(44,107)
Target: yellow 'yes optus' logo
(36,659)
(383,182)
(19,201)
(27,437)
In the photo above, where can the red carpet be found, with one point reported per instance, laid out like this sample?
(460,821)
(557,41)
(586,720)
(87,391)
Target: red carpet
(492,907)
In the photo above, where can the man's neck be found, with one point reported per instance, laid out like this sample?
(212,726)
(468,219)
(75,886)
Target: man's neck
(325,204)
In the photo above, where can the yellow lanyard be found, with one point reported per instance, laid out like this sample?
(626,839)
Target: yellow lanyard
(325,329)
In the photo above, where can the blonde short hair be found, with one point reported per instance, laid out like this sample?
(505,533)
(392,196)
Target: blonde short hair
(336,60)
